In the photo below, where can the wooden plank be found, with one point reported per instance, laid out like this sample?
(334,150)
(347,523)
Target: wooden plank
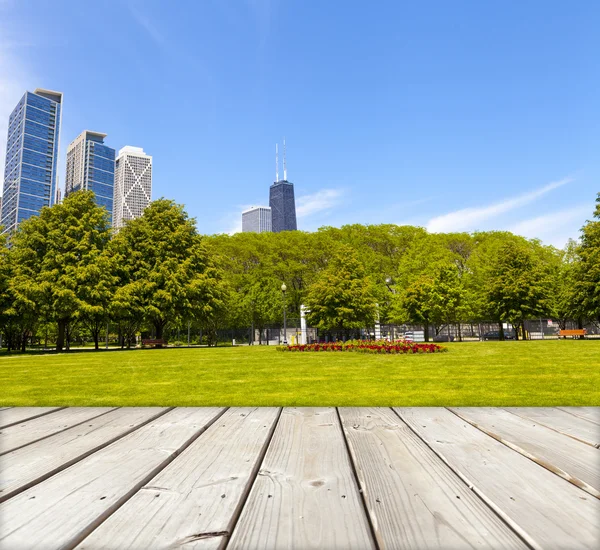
(563,422)
(570,459)
(24,467)
(14,415)
(588,413)
(547,511)
(64,509)
(414,499)
(194,501)
(305,495)
(30,431)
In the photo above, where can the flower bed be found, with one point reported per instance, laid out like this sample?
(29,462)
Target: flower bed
(368,346)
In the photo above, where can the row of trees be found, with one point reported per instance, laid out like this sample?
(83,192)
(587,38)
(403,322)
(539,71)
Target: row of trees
(64,270)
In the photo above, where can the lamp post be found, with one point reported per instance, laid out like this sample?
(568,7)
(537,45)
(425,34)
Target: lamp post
(283,289)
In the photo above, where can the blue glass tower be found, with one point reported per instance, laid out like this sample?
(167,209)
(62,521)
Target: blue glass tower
(31,157)
(283,206)
(91,166)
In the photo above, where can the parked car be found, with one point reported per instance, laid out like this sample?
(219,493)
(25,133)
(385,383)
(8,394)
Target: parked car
(495,335)
(443,338)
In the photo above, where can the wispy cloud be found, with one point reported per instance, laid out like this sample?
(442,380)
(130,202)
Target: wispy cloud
(471,218)
(144,22)
(325,199)
(554,228)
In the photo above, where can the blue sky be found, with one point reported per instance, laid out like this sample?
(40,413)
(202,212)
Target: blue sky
(455,116)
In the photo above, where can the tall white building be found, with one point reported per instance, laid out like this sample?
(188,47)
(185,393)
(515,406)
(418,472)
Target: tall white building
(256,220)
(133,185)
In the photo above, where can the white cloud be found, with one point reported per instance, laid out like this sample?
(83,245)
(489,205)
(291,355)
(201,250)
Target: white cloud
(469,219)
(555,228)
(324,199)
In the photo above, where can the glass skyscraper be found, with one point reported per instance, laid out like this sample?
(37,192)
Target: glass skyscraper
(31,157)
(91,166)
(283,206)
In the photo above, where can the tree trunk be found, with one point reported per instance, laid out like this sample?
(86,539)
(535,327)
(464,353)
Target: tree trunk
(96,334)
(60,340)
(426,331)
(580,326)
(24,342)
(524,333)
(501,331)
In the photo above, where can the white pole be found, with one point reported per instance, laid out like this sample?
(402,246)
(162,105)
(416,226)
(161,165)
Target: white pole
(377,325)
(303,325)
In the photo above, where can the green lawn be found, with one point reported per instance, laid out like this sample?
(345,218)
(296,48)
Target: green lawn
(540,373)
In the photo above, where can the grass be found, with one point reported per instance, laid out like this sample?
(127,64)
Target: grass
(538,373)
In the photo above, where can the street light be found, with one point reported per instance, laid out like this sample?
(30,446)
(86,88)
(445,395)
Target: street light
(283,289)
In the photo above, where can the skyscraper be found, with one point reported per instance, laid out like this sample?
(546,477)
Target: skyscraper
(133,185)
(91,167)
(256,220)
(31,157)
(281,200)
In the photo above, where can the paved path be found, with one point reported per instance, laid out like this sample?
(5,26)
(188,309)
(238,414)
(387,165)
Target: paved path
(299,478)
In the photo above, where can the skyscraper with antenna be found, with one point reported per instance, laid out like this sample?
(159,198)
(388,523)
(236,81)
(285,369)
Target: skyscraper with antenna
(281,198)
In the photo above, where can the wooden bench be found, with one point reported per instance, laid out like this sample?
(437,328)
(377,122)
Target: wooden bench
(573,332)
(156,343)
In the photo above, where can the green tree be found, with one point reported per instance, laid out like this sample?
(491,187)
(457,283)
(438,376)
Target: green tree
(166,270)
(343,297)
(588,269)
(519,285)
(415,304)
(449,299)
(53,255)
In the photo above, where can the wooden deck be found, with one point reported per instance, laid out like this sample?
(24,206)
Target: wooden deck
(267,478)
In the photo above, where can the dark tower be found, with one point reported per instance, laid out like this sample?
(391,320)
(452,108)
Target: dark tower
(283,206)
(281,199)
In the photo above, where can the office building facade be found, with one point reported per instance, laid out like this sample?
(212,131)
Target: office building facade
(91,167)
(256,220)
(133,185)
(283,206)
(31,157)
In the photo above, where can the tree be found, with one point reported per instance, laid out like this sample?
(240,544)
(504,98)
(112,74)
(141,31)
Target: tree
(166,269)
(519,286)
(342,298)
(588,269)
(415,304)
(53,255)
(449,297)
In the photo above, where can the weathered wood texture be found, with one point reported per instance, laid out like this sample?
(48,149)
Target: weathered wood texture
(29,465)
(588,413)
(413,498)
(64,509)
(563,422)
(546,510)
(14,415)
(572,460)
(29,431)
(305,495)
(194,501)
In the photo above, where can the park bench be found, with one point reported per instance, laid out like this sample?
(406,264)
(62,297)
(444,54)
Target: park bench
(154,342)
(572,332)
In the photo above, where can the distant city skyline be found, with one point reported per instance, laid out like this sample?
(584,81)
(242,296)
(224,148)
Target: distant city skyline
(476,118)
